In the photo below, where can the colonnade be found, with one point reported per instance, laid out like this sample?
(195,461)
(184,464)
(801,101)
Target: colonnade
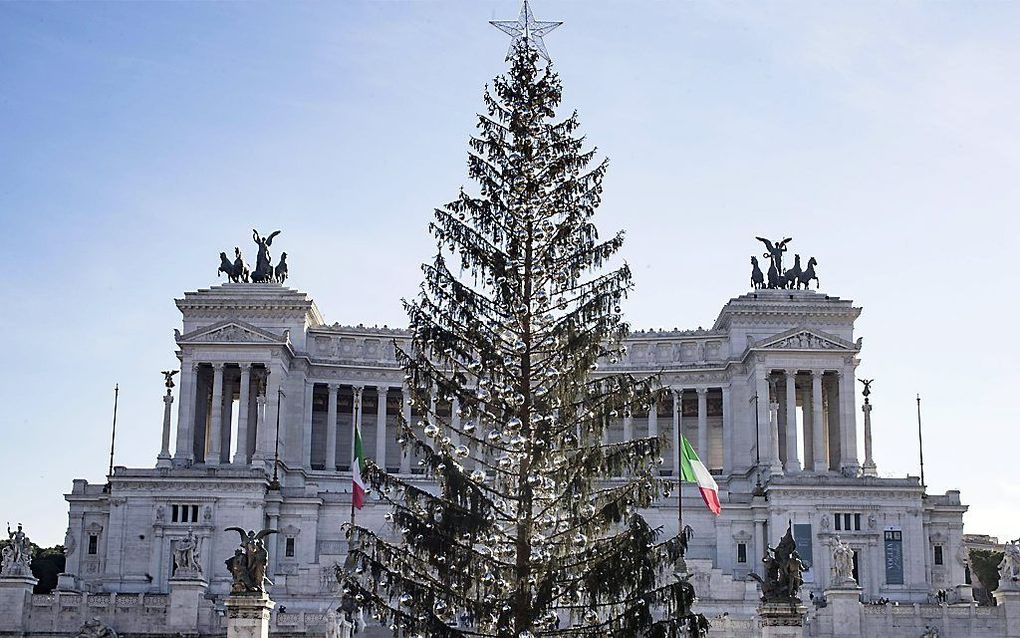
(826,430)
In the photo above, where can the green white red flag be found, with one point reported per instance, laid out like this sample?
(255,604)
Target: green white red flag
(358,469)
(693,470)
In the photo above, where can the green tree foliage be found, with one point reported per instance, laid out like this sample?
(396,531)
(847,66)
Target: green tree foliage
(533,526)
(984,567)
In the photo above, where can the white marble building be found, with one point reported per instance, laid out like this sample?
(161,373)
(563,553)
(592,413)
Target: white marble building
(767,395)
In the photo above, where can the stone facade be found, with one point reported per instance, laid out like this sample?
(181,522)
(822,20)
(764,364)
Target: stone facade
(767,395)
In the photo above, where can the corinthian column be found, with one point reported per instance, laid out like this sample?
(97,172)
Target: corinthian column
(184,452)
(848,463)
(244,402)
(792,448)
(869,462)
(380,427)
(703,427)
(821,457)
(331,428)
(163,460)
(212,456)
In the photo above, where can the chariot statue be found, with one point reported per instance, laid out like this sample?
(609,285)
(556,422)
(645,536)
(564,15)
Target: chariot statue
(793,278)
(263,262)
(248,564)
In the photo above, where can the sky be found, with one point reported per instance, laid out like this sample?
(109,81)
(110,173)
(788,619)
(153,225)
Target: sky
(139,140)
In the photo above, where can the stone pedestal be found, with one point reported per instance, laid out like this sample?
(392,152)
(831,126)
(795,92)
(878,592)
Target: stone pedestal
(15,599)
(845,603)
(248,616)
(1009,601)
(782,620)
(965,593)
(186,596)
(67,582)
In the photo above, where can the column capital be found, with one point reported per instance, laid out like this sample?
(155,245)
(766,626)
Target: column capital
(195,366)
(245,367)
(675,391)
(218,365)
(701,391)
(817,373)
(791,372)
(333,387)
(382,389)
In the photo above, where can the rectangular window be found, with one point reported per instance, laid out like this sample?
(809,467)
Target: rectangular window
(839,521)
(857,567)
(938,554)
(183,513)
(846,522)
(289,549)
(175,513)
(194,513)
(741,552)
(93,544)
(857,522)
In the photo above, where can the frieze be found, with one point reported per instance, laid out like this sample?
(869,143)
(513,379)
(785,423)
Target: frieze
(233,332)
(806,340)
(256,485)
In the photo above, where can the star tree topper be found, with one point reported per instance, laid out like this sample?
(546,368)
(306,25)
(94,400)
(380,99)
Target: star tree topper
(526,29)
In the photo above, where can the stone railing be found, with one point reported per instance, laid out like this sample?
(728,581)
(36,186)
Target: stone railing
(64,613)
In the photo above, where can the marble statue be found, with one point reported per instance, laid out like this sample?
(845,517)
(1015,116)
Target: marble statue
(16,559)
(187,557)
(842,564)
(1009,567)
(248,564)
(95,628)
(784,571)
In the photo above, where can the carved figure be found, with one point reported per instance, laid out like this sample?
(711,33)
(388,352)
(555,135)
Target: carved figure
(757,278)
(867,388)
(168,378)
(1009,568)
(263,267)
(783,571)
(281,269)
(187,558)
(808,274)
(248,564)
(16,559)
(95,628)
(775,252)
(842,563)
(240,269)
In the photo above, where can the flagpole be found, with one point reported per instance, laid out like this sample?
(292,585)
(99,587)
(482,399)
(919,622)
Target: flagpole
(920,443)
(355,421)
(113,435)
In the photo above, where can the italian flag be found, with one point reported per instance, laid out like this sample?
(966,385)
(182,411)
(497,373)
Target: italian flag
(357,467)
(693,470)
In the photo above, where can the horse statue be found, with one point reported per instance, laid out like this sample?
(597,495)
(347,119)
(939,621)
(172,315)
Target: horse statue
(775,279)
(239,266)
(235,271)
(793,273)
(804,279)
(280,272)
(757,279)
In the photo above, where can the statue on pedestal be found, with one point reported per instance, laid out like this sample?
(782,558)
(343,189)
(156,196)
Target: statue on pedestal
(1009,568)
(783,572)
(249,562)
(780,278)
(842,564)
(16,559)
(96,628)
(187,557)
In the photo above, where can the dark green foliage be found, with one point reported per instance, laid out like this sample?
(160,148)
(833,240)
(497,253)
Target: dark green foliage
(984,568)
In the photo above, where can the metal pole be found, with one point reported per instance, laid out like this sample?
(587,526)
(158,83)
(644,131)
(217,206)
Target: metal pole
(274,484)
(113,436)
(920,443)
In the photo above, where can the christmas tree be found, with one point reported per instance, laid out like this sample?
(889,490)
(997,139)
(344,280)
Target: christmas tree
(529,524)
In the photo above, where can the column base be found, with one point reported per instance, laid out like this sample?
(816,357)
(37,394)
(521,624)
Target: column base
(164,461)
(15,597)
(186,596)
(845,603)
(782,620)
(248,616)
(793,468)
(869,469)
(850,470)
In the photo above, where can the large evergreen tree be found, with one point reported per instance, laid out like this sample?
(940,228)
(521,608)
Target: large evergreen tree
(530,520)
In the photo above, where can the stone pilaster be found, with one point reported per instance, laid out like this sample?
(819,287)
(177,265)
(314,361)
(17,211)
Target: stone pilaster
(775,465)
(1009,602)
(183,452)
(331,426)
(628,424)
(306,432)
(848,463)
(703,427)
(248,616)
(727,430)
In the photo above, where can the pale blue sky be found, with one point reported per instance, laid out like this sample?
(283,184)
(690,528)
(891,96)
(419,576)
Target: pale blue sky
(138,140)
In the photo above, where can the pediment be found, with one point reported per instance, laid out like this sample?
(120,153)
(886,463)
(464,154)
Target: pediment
(805,339)
(231,332)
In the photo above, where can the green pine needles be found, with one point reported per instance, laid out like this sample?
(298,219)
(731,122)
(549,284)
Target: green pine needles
(525,522)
